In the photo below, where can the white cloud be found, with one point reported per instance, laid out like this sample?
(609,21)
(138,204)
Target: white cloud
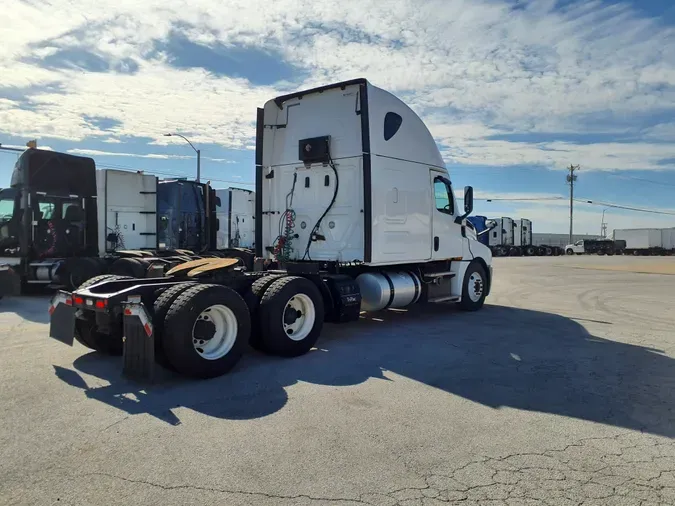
(158,156)
(472,69)
(558,155)
(96,152)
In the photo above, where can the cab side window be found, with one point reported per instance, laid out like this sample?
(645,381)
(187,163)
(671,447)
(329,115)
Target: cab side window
(46,210)
(443,197)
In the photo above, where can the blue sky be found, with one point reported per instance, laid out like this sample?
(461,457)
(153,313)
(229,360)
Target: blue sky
(513,90)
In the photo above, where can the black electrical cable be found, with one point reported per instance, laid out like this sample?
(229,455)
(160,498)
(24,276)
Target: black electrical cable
(330,206)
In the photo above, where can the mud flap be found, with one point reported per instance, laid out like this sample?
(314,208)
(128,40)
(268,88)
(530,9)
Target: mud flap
(10,282)
(139,343)
(62,318)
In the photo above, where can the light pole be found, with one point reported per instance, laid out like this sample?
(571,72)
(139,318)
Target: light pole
(196,150)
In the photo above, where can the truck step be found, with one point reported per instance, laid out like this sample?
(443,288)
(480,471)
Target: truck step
(434,275)
(447,298)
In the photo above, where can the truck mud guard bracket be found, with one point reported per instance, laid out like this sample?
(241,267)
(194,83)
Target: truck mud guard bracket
(62,318)
(139,342)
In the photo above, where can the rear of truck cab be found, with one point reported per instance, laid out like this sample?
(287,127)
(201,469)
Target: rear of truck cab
(379,195)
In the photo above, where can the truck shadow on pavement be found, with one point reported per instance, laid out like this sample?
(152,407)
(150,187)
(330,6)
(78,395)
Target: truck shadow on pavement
(34,308)
(498,357)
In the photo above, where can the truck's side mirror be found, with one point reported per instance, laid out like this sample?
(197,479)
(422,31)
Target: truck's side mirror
(468,200)
(218,202)
(468,204)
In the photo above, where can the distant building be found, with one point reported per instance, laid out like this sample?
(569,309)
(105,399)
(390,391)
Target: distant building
(558,239)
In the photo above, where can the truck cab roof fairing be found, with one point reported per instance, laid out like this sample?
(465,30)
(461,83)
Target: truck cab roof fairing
(410,140)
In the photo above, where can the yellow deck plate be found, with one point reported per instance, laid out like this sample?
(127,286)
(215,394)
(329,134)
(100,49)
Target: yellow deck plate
(186,266)
(218,263)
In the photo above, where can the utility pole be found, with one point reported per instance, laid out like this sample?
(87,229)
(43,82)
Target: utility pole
(571,178)
(603,225)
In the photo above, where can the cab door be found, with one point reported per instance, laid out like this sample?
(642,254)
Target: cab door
(447,240)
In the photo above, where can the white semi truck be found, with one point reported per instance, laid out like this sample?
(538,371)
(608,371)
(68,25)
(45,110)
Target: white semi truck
(502,237)
(236,217)
(354,212)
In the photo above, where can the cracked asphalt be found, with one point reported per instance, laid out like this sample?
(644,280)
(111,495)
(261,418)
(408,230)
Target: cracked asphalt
(561,391)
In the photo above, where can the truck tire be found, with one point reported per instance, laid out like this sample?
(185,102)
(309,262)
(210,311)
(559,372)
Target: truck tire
(206,330)
(85,330)
(570,251)
(160,309)
(131,267)
(474,288)
(77,271)
(291,316)
(252,299)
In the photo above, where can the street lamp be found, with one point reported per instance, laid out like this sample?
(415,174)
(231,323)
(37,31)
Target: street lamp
(196,150)
(603,225)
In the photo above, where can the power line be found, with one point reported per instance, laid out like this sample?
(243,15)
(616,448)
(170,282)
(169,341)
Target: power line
(642,179)
(516,199)
(515,167)
(628,208)
(580,200)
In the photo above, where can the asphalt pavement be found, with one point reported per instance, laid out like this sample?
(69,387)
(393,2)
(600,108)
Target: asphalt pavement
(560,391)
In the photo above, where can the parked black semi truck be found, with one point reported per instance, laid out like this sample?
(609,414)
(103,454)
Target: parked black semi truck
(63,222)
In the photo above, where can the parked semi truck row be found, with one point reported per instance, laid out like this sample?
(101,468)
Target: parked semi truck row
(635,241)
(63,222)
(354,212)
(509,237)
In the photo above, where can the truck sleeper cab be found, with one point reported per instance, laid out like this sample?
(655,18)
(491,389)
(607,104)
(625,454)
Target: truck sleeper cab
(354,212)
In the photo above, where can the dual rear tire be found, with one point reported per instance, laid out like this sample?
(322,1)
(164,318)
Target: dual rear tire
(205,330)
(202,330)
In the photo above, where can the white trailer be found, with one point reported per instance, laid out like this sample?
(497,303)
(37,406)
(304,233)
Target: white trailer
(354,212)
(645,241)
(236,218)
(668,239)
